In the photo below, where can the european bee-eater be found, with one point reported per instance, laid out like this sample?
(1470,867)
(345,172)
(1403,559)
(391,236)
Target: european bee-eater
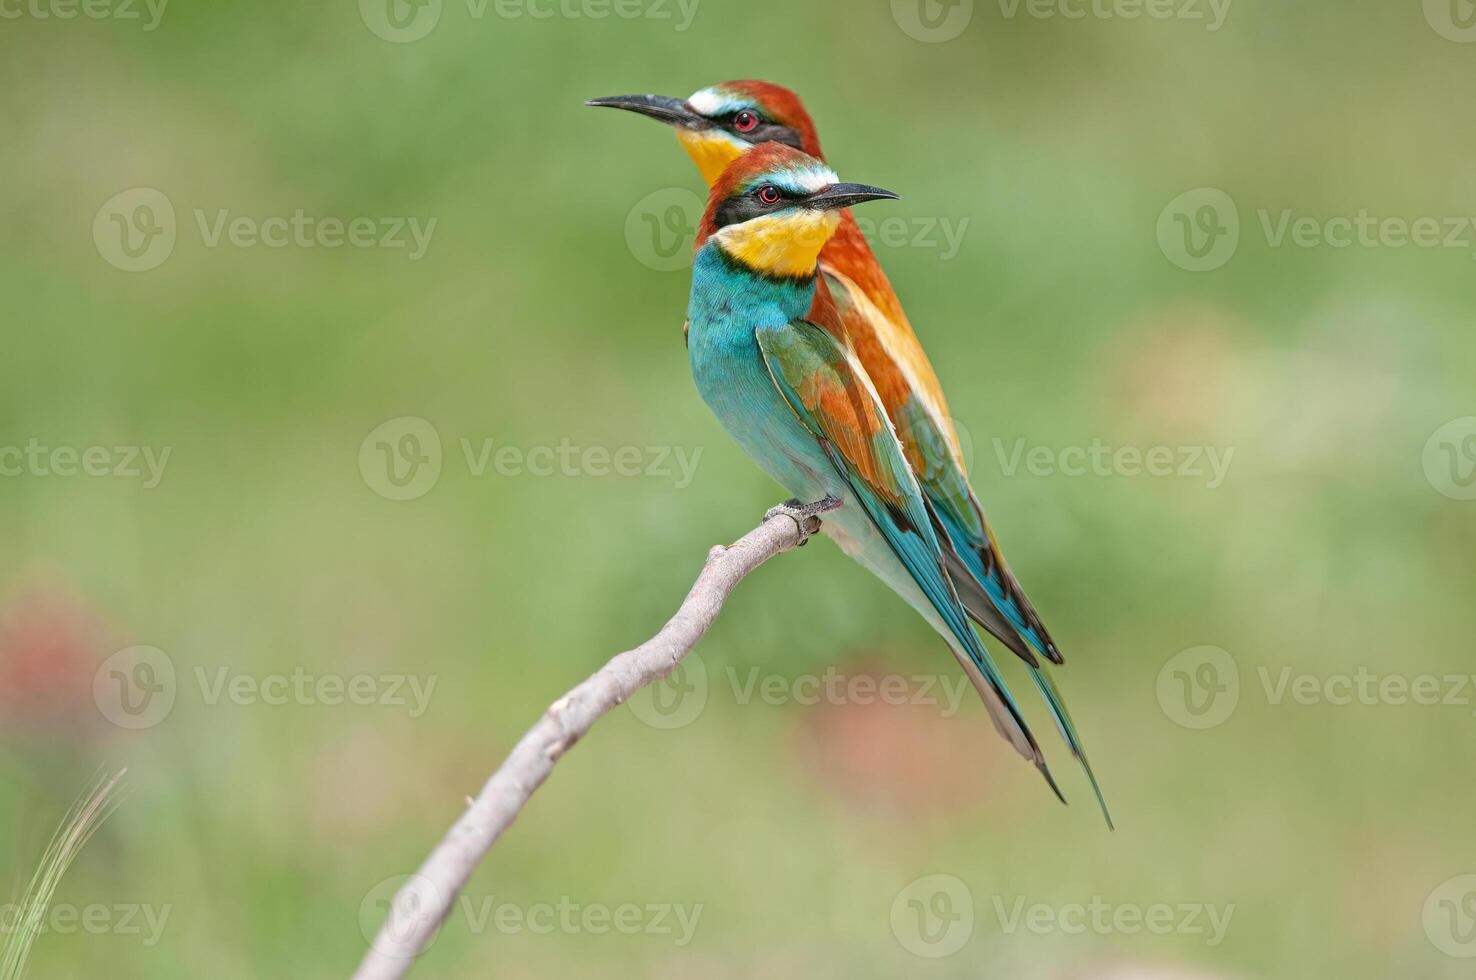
(860,309)
(798,400)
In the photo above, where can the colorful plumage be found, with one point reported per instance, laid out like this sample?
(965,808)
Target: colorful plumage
(856,306)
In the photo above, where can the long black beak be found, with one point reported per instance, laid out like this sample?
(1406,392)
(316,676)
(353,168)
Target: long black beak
(673,112)
(838,196)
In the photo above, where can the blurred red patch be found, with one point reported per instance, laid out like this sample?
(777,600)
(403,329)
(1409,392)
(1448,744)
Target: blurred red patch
(901,741)
(50,645)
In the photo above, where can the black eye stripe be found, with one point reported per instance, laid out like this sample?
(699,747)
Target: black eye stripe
(750,204)
(767,132)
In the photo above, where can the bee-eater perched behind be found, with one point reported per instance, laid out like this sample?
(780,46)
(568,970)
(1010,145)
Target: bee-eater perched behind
(800,403)
(858,307)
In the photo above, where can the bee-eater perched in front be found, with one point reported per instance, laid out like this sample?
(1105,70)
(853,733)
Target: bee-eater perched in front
(802,405)
(858,308)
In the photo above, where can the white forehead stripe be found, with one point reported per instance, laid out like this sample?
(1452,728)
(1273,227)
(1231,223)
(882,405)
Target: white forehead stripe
(800,180)
(812,179)
(708,102)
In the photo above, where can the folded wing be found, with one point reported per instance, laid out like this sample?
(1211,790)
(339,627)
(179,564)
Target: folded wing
(831,395)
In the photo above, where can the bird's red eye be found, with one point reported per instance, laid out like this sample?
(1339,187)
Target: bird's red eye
(745,122)
(769,194)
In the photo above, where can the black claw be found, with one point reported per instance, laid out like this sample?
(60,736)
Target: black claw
(801,513)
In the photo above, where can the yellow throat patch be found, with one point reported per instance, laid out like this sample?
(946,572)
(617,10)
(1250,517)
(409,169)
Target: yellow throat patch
(785,244)
(712,150)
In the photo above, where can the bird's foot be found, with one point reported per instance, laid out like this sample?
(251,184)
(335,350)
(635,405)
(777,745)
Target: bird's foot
(802,513)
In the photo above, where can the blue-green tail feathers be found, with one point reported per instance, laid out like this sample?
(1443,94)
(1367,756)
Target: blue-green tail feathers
(994,600)
(1067,728)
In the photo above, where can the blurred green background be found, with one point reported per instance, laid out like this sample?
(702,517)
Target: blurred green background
(546,311)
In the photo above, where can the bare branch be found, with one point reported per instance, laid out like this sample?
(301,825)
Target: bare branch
(425,900)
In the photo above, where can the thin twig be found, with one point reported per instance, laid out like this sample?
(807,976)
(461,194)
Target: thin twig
(424,901)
